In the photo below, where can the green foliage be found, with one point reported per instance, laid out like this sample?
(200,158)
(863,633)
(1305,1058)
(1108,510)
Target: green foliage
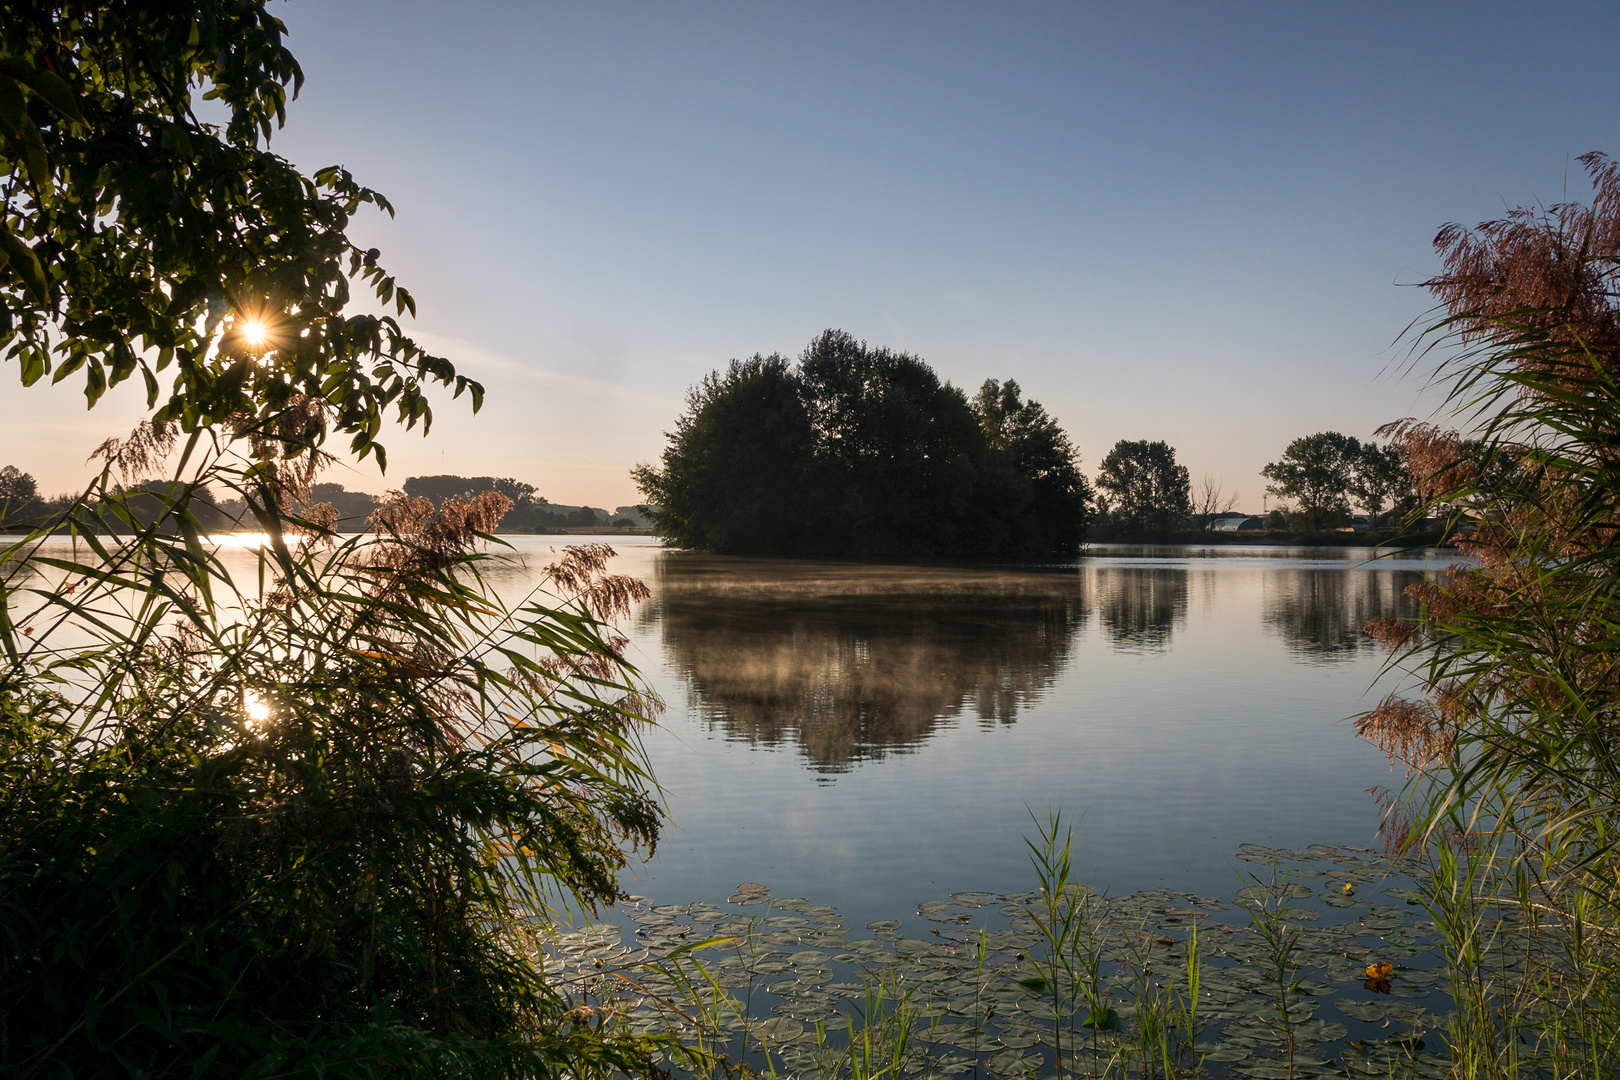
(314,819)
(319,828)
(137,239)
(1279,944)
(1145,491)
(1071,962)
(863,451)
(1318,471)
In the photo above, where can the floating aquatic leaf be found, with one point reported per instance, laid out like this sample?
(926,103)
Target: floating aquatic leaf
(1320,1031)
(779,1030)
(1102,1019)
(1013,1063)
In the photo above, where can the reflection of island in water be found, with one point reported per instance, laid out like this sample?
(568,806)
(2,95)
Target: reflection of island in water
(1319,614)
(856,662)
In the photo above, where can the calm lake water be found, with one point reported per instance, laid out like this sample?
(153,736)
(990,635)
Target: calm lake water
(873,736)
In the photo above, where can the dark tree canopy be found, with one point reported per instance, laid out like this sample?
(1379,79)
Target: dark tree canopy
(1145,491)
(857,450)
(17,487)
(1318,472)
(439,488)
(1043,461)
(1381,481)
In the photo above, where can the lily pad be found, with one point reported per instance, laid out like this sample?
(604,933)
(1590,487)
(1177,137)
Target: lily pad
(1013,1063)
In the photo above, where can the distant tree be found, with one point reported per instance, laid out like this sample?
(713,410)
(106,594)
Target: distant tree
(17,488)
(520,493)
(1380,478)
(1145,490)
(1318,471)
(353,507)
(150,500)
(1210,501)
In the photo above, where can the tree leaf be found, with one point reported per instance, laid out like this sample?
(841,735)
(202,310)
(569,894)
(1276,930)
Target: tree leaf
(25,264)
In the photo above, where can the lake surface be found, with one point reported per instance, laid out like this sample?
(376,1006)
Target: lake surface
(875,736)
(866,746)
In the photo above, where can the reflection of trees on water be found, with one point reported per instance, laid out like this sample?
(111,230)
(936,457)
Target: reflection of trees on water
(853,663)
(1319,613)
(1140,607)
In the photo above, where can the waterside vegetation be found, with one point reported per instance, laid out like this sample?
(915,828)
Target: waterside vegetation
(313,820)
(1509,726)
(1323,964)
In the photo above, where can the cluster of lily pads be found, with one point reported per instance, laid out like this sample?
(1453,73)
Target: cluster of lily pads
(1322,964)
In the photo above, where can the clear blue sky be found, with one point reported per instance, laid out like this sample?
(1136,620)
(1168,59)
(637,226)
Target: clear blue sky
(1189,222)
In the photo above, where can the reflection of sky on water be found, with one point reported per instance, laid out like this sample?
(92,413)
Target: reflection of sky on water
(875,736)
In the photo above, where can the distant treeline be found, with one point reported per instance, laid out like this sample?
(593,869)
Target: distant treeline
(530,513)
(861,451)
(22,506)
(1320,482)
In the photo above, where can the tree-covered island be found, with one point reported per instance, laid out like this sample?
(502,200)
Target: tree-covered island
(862,451)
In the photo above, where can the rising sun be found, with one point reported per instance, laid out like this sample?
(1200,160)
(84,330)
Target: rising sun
(257,709)
(255,333)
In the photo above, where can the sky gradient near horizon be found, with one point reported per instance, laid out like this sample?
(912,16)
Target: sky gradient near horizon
(1191,222)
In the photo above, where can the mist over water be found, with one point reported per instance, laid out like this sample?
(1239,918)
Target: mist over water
(872,736)
(848,665)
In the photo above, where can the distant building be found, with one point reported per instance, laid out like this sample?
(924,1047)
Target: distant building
(1238,523)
